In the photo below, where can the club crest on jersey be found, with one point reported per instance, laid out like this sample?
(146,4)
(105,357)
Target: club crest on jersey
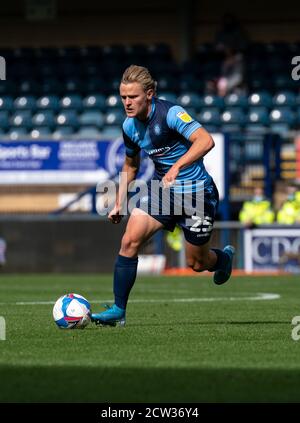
(157,129)
(185,117)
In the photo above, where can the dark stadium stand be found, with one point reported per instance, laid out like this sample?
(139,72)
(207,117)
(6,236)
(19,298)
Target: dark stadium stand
(74,90)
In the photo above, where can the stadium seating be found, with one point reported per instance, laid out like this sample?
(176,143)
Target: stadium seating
(6,103)
(17,133)
(21,119)
(281,120)
(260,99)
(88,132)
(167,95)
(189,101)
(210,118)
(284,98)
(94,102)
(111,132)
(212,101)
(114,117)
(25,103)
(232,120)
(236,100)
(113,102)
(48,102)
(70,90)
(44,118)
(4,121)
(41,132)
(67,119)
(257,119)
(91,118)
(71,102)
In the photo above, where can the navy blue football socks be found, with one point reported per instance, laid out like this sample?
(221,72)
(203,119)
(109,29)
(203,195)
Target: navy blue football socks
(222,260)
(124,278)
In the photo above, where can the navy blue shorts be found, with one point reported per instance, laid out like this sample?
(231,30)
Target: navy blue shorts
(183,210)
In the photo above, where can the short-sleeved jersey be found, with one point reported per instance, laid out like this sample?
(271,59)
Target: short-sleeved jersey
(164,136)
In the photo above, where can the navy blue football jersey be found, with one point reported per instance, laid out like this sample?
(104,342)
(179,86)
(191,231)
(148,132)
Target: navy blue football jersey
(164,136)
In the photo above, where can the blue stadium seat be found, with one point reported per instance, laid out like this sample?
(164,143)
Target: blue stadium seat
(4,120)
(6,103)
(63,132)
(232,120)
(21,119)
(111,132)
(91,118)
(114,117)
(260,99)
(88,132)
(284,98)
(214,101)
(257,119)
(236,100)
(282,119)
(114,101)
(71,102)
(94,102)
(44,118)
(42,132)
(17,133)
(48,102)
(189,100)
(67,118)
(167,95)
(25,103)
(210,118)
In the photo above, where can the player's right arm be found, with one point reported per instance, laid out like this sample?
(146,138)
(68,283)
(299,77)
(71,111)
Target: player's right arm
(128,174)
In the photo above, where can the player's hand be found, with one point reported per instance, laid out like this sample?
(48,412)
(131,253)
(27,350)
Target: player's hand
(170,177)
(115,216)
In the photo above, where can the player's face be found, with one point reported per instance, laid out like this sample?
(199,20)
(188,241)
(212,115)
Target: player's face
(137,102)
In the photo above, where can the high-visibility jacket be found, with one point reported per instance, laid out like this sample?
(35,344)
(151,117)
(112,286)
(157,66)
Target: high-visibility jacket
(289,212)
(257,212)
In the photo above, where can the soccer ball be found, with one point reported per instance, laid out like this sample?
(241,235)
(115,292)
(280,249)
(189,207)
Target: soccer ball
(72,311)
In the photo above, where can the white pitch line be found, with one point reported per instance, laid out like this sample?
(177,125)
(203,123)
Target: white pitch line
(257,297)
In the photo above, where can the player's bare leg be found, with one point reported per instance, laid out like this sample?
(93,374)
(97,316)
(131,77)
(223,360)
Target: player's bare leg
(140,228)
(203,257)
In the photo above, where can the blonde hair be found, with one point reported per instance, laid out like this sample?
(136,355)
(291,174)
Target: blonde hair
(141,75)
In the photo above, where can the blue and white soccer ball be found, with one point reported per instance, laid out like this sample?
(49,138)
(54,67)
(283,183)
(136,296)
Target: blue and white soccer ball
(72,311)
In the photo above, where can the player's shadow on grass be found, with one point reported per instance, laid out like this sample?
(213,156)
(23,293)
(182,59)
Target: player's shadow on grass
(104,384)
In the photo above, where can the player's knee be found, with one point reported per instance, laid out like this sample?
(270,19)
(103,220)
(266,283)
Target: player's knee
(129,245)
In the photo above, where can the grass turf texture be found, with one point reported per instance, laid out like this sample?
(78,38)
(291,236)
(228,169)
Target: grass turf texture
(211,351)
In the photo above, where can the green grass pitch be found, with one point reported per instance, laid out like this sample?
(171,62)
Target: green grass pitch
(186,340)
